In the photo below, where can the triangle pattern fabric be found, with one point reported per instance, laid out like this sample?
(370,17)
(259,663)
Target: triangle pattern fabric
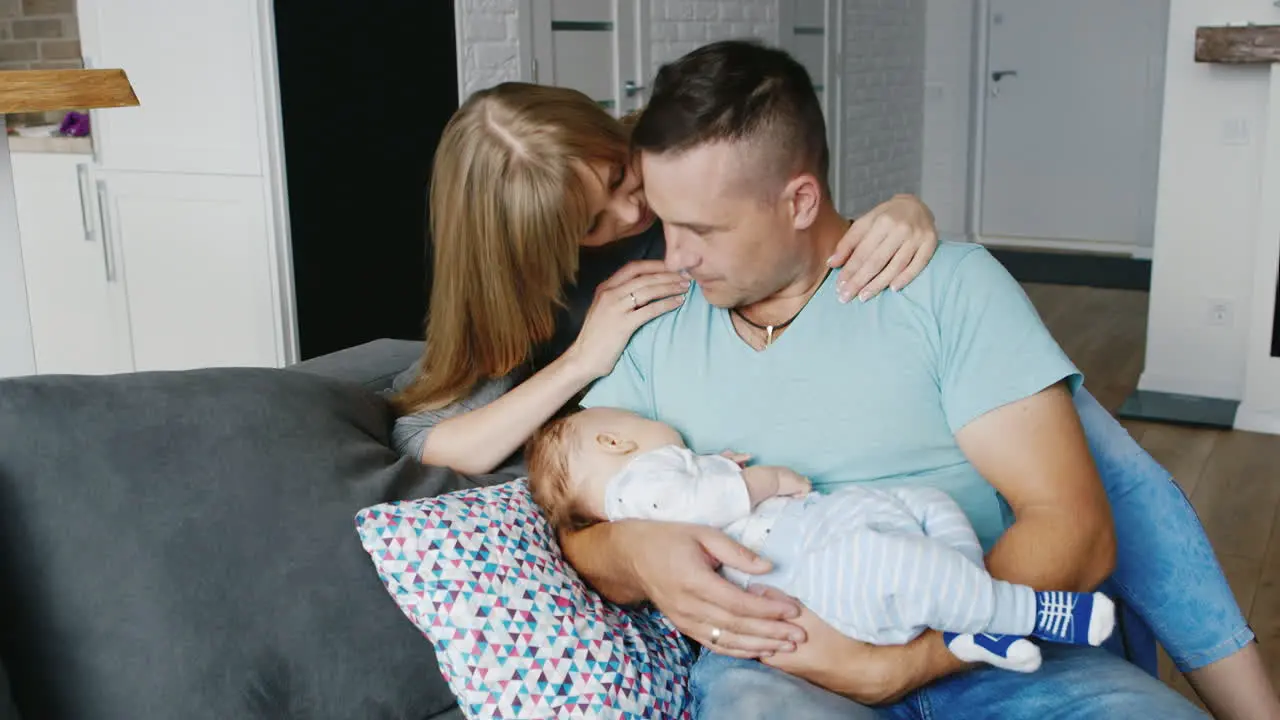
(517,633)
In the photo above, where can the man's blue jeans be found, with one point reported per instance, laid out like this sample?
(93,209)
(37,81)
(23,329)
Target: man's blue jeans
(1167,578)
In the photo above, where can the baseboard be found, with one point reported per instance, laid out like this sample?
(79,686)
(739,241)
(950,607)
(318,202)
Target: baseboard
(1180,409)
(1258,420)
(1190,385)
(1062,268)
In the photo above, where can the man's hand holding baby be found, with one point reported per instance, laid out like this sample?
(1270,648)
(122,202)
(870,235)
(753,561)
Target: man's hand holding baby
(635,477)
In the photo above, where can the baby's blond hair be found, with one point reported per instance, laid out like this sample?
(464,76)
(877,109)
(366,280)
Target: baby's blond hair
(547,457)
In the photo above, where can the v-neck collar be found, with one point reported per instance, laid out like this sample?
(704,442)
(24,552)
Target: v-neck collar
(798,323)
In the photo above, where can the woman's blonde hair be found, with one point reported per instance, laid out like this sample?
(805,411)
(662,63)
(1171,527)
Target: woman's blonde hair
(508,209)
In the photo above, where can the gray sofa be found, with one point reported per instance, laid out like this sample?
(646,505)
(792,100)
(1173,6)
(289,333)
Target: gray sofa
(182,545)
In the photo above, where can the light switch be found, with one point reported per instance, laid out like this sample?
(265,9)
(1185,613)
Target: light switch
(1235,131)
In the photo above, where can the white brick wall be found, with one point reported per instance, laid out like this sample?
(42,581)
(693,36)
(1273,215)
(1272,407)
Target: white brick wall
(679,26)
(884,44)
(490,43)
(883,78)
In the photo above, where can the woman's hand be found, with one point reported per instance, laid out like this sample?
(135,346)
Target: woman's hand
(887,247)
(637,293)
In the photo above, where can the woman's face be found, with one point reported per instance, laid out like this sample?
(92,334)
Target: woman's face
(615,199)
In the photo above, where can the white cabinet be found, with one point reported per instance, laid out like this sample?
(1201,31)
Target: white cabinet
(79,322)
(195,66)
(144,271)
(194,257)
(167,248)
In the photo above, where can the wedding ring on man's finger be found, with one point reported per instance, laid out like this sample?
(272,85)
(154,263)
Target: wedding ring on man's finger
(634,304)
(715,635)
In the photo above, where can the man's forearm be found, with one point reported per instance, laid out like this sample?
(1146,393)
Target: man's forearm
(599,556)
(895,671)
(1052,551)
(928,659)
(934,659)
(1045,551)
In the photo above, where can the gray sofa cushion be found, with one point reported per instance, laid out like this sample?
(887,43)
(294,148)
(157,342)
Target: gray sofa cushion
(374,364)
(183,545)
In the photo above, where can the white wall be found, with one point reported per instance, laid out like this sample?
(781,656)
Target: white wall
(883,95)
(1206,208)
(17,354)
(679,26)
(1260,407)
(491,51)
(883,79)
(948,101)
(490,44)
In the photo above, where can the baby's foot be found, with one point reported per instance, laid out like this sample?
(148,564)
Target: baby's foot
(1074,618)
(1007,652)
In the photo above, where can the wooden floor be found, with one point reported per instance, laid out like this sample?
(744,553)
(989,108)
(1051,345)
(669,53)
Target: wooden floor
(1232,477)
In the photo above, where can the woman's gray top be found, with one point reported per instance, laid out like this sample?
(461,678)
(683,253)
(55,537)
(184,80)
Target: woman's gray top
(594,267)
(409,435)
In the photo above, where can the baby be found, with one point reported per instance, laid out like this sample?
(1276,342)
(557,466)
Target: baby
(880,565)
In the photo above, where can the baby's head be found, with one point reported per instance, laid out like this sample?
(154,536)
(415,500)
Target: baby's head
(572,458)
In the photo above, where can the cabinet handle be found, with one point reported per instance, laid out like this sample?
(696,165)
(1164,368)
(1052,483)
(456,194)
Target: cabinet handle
(108,256)
(82,178)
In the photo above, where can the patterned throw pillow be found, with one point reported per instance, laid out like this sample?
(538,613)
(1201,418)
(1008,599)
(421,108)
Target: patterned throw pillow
(517,632)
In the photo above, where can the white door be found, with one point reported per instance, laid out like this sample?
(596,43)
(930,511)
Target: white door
(596,46)
(79,322)
(193,65)
(810,31)
(1072,114)
(194,255)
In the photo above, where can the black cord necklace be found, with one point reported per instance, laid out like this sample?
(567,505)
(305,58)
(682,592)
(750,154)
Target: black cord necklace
(769,330)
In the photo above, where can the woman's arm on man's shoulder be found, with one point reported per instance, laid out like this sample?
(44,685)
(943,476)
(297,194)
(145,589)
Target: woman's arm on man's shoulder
(476,434)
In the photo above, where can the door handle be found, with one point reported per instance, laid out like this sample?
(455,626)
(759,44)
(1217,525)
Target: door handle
(631,88)
(108,258)
(997,76)
(82,179)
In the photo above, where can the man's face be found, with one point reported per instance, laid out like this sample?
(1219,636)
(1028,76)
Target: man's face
(738,243)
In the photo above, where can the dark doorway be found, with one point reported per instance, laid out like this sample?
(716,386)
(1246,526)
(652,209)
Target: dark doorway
(366,88)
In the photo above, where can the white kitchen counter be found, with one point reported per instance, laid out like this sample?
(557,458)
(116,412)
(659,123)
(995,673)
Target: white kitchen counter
(69,145)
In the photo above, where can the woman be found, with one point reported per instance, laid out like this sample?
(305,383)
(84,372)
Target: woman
(536,210)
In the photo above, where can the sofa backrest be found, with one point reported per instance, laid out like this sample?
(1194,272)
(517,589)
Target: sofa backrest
(183,544)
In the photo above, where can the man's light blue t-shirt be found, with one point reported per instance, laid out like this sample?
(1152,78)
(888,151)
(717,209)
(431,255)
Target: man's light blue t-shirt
(861,392)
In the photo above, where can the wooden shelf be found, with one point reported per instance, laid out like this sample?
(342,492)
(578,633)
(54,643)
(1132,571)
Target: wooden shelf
(24,91)
(1246,44)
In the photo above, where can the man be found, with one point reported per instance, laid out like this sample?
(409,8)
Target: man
(952,382)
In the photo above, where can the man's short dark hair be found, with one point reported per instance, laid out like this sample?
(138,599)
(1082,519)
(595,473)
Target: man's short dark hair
(738,90)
